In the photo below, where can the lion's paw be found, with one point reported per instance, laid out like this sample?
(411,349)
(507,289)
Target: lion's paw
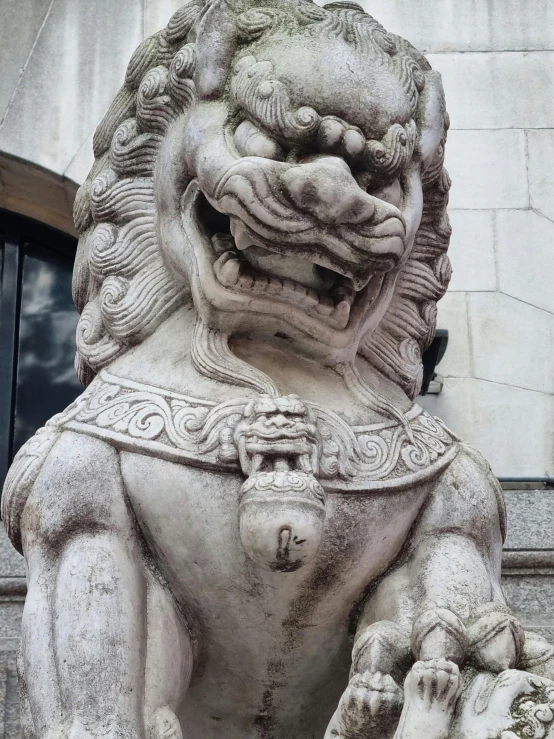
(431,691)
(370,705)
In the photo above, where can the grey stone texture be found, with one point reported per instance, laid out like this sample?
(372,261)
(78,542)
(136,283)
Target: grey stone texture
(473,25)
(484,87)
(83,75)
(11,562)
(12,589)
(530,515)
(531,598)
(9,696)
(528,565)
(528,582)
(28,17)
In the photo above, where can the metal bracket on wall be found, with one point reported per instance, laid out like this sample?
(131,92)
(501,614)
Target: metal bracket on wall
(436,384)
(432,382)
(10,290)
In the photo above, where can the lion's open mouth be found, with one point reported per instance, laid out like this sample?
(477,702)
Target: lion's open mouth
(243,265)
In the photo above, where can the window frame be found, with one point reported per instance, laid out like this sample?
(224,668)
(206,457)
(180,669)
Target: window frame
(15,232)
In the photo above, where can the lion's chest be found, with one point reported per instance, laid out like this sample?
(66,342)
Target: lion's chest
(277,644)
(190,519)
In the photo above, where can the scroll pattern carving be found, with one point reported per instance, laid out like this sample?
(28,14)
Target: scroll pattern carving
(184,429)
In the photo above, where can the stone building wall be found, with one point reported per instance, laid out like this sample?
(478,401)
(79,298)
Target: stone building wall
(497,62)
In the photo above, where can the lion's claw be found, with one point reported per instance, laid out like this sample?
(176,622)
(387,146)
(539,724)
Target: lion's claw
(369,699)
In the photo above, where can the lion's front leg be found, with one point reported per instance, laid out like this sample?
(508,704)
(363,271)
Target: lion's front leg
(96,621)
(442,601)
(373,699)
(431,692)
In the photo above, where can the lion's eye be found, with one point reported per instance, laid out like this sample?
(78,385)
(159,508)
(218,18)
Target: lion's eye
(251,142)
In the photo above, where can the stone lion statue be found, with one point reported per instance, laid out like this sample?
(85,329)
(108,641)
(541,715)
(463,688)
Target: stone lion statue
(245,527)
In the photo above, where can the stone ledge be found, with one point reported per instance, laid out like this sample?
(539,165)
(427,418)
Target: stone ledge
(537,485)
(9,644)
(12,588)
(532,562)
(528,562)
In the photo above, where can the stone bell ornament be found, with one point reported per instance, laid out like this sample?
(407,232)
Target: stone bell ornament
(245,526)
(282,505)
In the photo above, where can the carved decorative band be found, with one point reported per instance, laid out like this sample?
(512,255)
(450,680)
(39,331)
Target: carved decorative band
(186,430)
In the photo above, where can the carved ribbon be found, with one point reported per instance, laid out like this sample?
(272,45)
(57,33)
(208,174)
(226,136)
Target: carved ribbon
(179,428)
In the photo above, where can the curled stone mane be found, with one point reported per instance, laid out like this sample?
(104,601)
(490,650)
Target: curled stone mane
(121,285)
(408,327)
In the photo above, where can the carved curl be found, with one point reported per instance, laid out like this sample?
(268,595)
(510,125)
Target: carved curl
(120,284)
(408,326)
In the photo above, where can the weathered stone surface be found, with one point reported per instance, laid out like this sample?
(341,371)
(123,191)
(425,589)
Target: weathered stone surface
(10,618)
(490,406)
(11,562)
(472,251)
(482,89)
(448,25)
(157,13)
(9,697)
(453,314)
(43,127)
(246,488)
(483,175)
(80,165)
(21,24)
(530,520)
(532,599)
(540,148)
(513,343)
(526,257)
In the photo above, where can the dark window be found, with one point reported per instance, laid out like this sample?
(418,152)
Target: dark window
(37,330)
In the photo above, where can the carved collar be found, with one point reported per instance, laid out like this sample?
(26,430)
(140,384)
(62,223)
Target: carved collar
(178,428)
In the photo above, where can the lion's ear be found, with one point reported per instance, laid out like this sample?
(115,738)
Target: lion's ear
(215,47)
(430,118)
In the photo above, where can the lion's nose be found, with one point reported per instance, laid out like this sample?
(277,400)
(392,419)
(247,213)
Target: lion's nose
(279,421)
(326,189)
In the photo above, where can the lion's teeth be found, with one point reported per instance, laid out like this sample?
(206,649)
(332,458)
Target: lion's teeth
(341,314)
(232,273)
(344,291)
(246,281)
(304,296)
(222,242)
(325,306)
(312,297)
(227,269)
(275,285)
(242,239)
(260,284)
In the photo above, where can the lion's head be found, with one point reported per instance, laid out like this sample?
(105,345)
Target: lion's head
(281,164)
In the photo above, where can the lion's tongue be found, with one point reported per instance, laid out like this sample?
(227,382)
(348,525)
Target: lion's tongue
(291,267)
(288,267)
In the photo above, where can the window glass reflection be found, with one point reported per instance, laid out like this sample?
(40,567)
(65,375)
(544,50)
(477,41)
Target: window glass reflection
(46,379)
